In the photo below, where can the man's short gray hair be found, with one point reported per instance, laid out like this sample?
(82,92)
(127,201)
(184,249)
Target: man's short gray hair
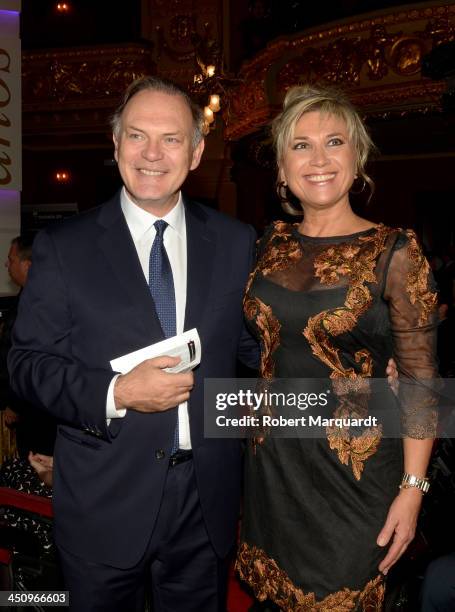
(153,83)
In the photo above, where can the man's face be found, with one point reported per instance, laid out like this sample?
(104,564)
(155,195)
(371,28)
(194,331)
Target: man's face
(154,149)
(17,267)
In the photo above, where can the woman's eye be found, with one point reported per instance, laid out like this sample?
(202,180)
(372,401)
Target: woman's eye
(300,145)
(334,142)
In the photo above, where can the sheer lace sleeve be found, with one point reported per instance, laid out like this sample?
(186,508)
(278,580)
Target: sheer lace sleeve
(410,292)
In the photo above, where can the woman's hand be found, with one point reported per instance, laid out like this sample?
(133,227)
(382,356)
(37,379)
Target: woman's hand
(42,464)
(401,524)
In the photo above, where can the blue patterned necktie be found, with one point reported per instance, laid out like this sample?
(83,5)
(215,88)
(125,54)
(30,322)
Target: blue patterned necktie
(161,283)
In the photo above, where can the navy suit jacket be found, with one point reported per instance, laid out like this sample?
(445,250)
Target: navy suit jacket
(86,301)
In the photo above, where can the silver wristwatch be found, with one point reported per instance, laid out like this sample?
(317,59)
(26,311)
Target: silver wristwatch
(409,481)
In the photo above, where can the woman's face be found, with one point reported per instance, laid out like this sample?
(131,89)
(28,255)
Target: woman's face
(319,164)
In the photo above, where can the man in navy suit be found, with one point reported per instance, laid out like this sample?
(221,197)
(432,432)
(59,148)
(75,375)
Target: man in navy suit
(139,495)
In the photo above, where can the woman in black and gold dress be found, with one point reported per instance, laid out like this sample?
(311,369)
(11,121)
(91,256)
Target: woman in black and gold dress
(335,296)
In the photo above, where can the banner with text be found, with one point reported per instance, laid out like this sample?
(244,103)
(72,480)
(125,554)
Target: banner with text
(366,409)
(10,101)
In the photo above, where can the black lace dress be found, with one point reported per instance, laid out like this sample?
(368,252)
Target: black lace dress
(334,308)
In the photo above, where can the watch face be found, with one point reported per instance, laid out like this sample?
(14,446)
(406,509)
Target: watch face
(410,481)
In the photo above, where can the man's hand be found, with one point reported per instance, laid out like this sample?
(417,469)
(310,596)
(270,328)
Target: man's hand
(10,417)
(42,464)
(148,388)
(401,524)
(392,375)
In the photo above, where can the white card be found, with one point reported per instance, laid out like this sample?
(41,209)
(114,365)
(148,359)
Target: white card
(187,346)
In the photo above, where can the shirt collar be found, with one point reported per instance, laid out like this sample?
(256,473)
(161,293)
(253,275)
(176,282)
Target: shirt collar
(140,221)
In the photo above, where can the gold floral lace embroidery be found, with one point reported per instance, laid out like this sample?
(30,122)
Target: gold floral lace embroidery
(268,581)
(419,419)
(269,327)
(357,449)
(280,251)
(417,280)
(357,262)
(353,398)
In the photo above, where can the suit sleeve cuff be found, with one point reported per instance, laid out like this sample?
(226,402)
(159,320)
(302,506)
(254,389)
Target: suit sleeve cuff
(111,411)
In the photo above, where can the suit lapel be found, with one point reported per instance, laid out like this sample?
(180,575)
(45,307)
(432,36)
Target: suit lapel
(201,246)
(118,247)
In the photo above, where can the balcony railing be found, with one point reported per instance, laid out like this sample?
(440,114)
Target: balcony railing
(376,57)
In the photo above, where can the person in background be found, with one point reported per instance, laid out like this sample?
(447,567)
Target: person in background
(438,589)
(444,277)
(18,263)
(35,430)
(31,476)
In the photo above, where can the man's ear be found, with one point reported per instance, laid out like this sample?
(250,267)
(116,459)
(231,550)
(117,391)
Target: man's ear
(26,264)
(115,147)
(197,154)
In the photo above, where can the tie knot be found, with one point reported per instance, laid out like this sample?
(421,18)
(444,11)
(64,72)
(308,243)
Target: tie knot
(160,226)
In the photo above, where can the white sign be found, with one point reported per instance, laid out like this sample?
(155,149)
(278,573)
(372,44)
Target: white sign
(10,99)
(10,134)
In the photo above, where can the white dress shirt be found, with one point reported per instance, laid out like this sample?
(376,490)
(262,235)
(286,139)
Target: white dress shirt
(140,223)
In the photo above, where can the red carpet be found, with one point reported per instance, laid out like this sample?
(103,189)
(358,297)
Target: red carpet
(238,599)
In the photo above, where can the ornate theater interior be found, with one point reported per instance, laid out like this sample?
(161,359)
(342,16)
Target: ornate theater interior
(76,63)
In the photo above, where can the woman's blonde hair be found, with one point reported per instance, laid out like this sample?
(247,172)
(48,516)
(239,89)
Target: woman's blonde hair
(303,99)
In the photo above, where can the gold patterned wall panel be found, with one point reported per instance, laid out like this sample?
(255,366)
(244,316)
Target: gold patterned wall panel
(68,88)
(376,57)
(72,88)
(183,32)
(66,77)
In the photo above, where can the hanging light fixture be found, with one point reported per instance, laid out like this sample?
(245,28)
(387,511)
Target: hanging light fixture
(209,80)
(209,115)
(62,176)
(214,103)
(62,7)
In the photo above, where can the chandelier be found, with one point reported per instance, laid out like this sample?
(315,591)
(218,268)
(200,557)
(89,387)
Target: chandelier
(210,83)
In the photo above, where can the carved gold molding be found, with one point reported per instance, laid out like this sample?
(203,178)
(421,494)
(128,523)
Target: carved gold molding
(376,57)
(66,79)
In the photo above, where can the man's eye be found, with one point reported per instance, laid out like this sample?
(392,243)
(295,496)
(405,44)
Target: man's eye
(172,139)
(134,136)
